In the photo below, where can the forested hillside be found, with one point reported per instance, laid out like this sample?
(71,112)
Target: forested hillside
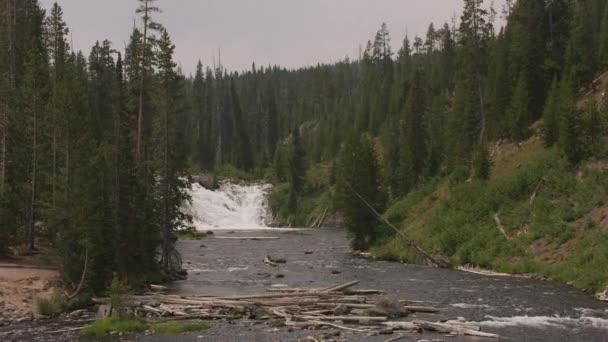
(432,107)
(96,147)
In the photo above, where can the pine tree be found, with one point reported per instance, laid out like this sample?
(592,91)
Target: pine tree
(518,114)
(146,9)
(296,170)
(482,163)
(551,119)
(603,46)
(593,128)
(570,125)
(173,174)
(58,48)
(358,181)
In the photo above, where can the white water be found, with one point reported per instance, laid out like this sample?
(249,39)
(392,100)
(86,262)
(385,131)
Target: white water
(544,322)
(231,207)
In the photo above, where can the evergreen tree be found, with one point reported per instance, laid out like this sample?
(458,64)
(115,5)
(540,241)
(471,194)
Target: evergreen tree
(551,119)
(297,170)
(570,125)
(174,181)
(603,46)
(482,163)
(518,114)
(358,181)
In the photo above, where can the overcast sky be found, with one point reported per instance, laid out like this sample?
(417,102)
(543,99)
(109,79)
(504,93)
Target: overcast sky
(289,33)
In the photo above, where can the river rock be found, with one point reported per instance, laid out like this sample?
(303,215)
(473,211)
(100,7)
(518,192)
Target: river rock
(204,180)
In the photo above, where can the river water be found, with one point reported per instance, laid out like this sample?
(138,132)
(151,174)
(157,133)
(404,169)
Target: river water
(521,309)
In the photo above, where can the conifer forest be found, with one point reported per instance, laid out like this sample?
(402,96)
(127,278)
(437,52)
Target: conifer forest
(99,148)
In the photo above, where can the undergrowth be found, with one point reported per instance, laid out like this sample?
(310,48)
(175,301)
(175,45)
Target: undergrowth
(462,225)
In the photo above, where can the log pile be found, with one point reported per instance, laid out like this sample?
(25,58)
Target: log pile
(339,306)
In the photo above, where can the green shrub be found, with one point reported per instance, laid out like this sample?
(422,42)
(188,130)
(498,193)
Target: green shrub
(191,234)
(103,327)
(174,327)
(119,295)
(53,305)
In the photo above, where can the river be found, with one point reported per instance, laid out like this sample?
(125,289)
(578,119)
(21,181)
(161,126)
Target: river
(520,309)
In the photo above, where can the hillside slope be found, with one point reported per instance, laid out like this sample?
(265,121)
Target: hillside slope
(535,215)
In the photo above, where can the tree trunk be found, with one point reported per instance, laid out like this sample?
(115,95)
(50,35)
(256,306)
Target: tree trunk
(142,78)
(165,220)
(32,211)
(11,23)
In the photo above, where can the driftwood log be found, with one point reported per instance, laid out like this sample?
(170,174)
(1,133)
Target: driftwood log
(338,306)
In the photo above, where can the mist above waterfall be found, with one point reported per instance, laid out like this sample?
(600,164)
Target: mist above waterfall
(231,207)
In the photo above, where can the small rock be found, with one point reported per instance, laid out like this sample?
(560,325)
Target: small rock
(77,313)
(104,311)
(209,232)
(203,246)
(308,252)
(387,331)
(331,334)
(279,276)
(335,272)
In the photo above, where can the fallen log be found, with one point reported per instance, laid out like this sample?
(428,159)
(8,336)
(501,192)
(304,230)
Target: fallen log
(246,237)
(270,262)
(400,337)
(322,218)
(344,318)
(452,329)
(319,323)
(404,326)
(336,306)
(340,287)
(500,227)
(416,247)
(423,309)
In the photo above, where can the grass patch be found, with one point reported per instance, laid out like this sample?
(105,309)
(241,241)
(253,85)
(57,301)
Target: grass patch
(174,327)
(53,305)
(58,303)
(108,325)
(190,234)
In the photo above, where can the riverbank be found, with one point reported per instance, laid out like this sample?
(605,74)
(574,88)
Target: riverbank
(517,308)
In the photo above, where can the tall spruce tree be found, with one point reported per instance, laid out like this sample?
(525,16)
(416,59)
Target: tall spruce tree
(357,185)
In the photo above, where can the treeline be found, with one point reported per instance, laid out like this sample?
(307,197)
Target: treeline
(432,107)
(93,156)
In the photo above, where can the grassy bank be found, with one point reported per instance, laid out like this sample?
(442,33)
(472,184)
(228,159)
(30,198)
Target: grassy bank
(554,218)
(110,325)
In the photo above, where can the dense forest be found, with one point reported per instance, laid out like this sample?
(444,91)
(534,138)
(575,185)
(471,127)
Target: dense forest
(96,151)
(92,150)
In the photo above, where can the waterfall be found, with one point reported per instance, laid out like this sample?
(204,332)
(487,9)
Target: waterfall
(231,207)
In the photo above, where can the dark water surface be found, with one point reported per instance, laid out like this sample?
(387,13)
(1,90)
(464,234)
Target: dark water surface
(518,308)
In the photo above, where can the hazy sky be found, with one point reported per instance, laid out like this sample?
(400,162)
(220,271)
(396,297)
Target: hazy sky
(289,33)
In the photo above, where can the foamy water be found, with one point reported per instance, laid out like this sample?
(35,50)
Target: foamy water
(231,207)
(544,322)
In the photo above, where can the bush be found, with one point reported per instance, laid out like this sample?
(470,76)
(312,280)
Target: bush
(191,234)
(108,325)
(174,328)
(53,305)
(119,298)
